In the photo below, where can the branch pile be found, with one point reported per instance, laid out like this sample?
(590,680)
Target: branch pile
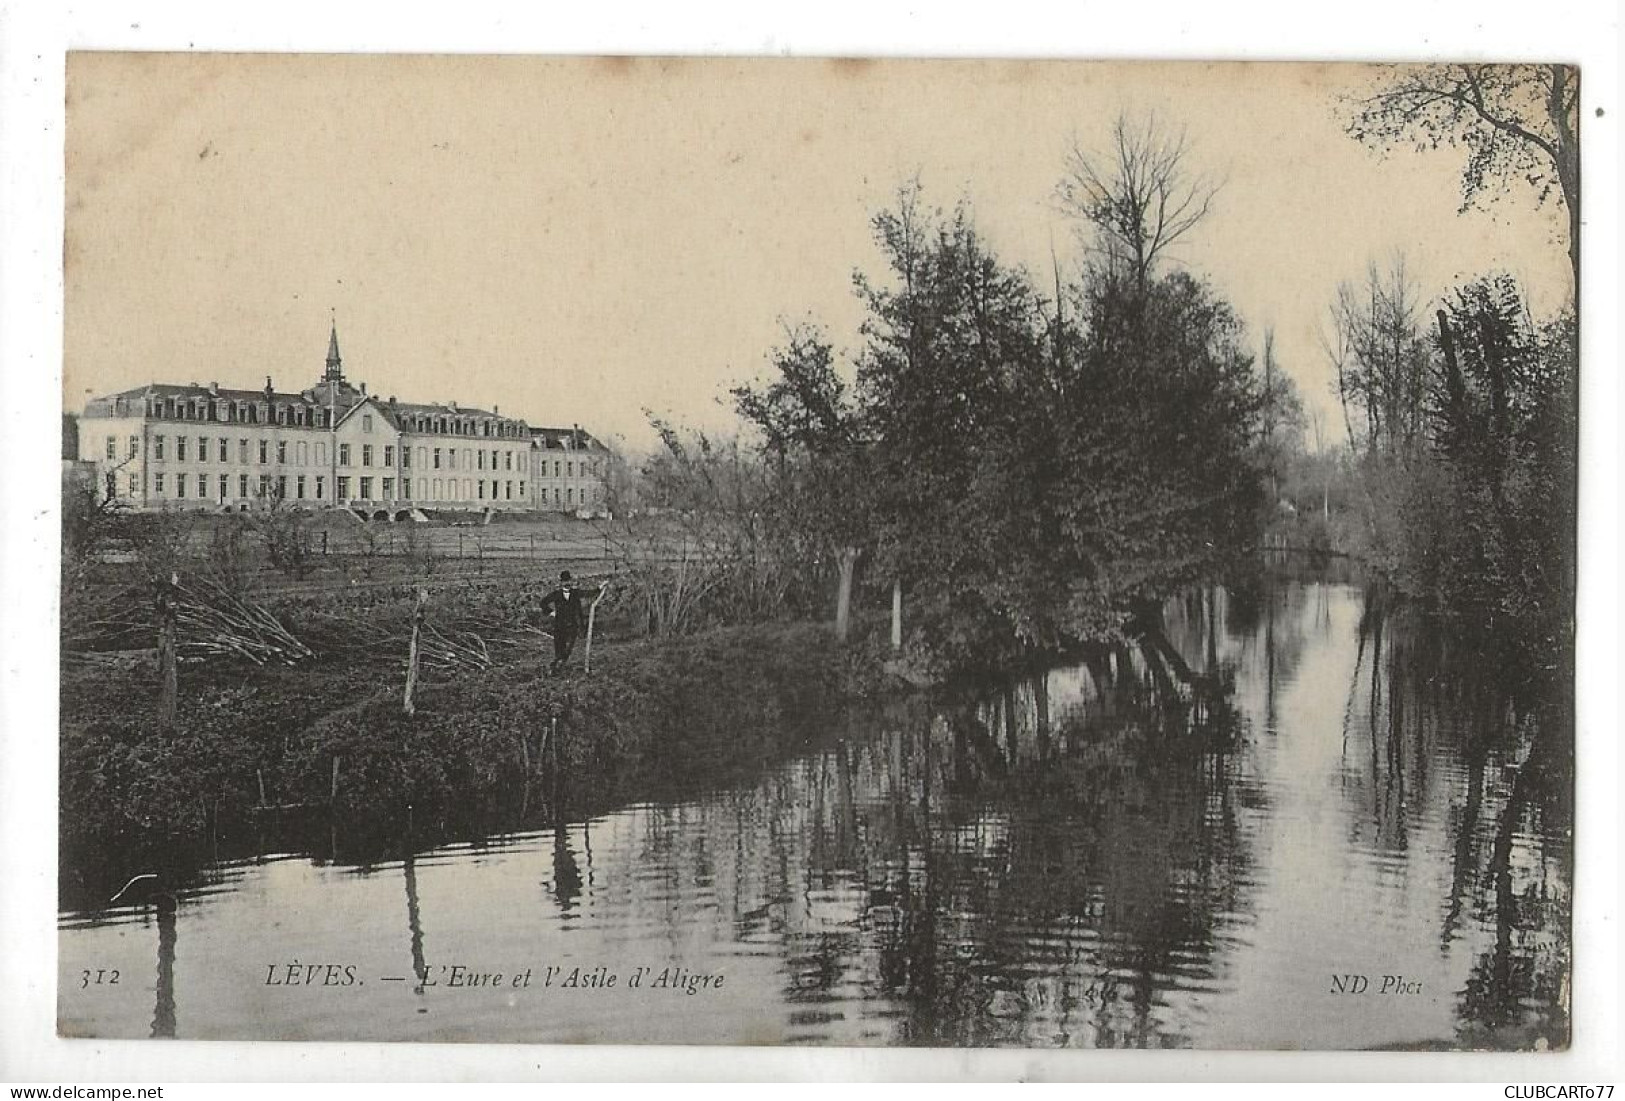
(453,651)
(122,620)
(211,622)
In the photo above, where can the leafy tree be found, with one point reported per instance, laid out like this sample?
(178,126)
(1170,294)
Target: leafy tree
(1517,122)
(952,381)
(1036,481)
(1502,425)
(819,459)
(1161,418)
(1031,482)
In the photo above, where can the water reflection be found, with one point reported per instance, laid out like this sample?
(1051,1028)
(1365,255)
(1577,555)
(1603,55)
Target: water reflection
(1177,842)
(414,927)
(163,1013)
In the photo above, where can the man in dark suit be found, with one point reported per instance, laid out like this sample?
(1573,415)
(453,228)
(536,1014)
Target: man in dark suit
(564,603)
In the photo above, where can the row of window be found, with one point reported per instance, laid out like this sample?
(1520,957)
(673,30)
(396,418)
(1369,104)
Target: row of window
(279,486)
(315,488)
(568,468)
(441,457)
(446,457)
(237,411)
(222,450)
(461,426)
(267,486)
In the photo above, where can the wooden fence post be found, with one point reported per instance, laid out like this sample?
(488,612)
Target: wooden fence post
(586,660)
(167,657)
(412,652)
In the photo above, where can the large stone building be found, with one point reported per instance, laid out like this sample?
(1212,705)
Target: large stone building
(333,445)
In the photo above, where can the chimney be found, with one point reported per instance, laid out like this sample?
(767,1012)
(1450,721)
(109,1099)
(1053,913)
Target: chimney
(268,390)
(363,389)
(214,389)
(392,400)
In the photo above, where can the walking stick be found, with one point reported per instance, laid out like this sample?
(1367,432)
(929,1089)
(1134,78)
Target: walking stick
(586,659)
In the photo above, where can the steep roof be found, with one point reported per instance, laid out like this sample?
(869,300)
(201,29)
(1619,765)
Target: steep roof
(103,406)
(447,409)
(347,398)
(558,439)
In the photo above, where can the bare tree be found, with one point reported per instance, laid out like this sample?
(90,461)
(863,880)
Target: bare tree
(1517,122)
(1140,195)
(285,532)
(1381,358)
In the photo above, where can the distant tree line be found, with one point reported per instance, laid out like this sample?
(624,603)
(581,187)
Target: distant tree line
(1462,423)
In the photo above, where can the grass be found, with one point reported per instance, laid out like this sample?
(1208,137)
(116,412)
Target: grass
(655,719)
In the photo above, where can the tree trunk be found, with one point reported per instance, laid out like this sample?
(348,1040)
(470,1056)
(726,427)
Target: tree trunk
(843,596)
(896,615)
(1564,81)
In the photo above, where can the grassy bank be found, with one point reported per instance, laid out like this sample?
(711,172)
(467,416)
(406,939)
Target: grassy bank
(655,719)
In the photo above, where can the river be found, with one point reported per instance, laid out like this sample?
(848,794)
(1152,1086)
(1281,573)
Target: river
(1356,843)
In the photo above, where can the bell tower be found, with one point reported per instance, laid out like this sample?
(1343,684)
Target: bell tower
(335,365)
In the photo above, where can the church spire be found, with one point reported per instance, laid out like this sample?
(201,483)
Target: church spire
(335,371)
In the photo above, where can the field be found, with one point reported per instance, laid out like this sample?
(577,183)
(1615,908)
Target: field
(289,683)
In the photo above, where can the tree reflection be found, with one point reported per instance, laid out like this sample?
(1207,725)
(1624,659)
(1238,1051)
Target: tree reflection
(163,1013)
(1074,877)
(1446,737)
(1033,873)
(1517,993)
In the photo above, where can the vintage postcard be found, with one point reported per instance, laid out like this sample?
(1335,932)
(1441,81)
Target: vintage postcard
(809,552)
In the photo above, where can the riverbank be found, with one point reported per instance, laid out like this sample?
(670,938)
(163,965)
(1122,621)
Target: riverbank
(285,748)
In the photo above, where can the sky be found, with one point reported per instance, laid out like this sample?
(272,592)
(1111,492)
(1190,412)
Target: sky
(578,241)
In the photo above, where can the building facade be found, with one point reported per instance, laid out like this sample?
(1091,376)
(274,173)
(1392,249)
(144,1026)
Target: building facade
(570,470)
(331,446)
